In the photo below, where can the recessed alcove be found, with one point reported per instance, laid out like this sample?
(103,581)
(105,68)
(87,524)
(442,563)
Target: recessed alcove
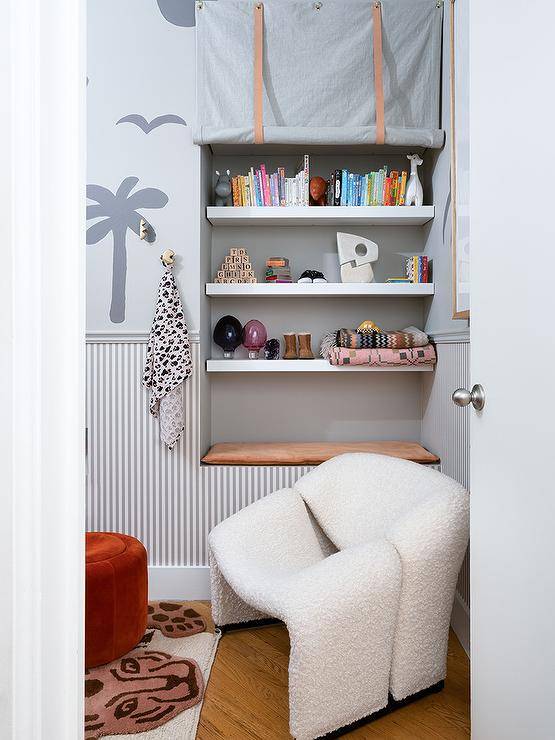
(241,404)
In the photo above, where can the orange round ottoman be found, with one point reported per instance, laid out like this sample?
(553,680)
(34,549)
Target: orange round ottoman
(116,596)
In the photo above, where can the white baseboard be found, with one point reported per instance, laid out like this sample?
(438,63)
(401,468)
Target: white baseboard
(460,622)
(182,583)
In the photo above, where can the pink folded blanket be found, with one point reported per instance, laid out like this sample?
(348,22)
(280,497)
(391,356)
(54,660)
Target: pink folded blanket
(383,357)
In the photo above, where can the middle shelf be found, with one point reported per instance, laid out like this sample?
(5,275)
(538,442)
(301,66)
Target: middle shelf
(306,290)
(306,366)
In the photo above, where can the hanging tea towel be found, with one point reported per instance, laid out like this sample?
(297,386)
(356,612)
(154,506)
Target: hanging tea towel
(168,360)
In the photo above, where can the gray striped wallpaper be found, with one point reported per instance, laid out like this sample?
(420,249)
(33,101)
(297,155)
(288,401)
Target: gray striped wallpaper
(135,485)
(166,499)
(445,427)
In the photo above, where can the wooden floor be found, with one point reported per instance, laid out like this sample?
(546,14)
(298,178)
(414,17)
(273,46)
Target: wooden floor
(247,693)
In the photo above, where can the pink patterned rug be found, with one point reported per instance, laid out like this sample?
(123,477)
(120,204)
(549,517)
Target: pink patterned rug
(174,619)
(148,686)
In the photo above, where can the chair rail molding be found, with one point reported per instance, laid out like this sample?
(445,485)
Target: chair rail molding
(449,337)
(129,337)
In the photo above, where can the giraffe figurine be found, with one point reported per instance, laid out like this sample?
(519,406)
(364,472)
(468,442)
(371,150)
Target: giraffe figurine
(414,195)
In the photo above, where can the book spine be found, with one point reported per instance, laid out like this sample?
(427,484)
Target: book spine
(387,191)
(378,194)
(425,277)
(415,269)
(344,178)
(306,188)
(263,185)
(337,191)
(402,188)
(235,191)
(257,193)
(282,199)
(394,187)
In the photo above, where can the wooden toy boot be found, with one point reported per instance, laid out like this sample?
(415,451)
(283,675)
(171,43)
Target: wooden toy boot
(305,350)
(290,346)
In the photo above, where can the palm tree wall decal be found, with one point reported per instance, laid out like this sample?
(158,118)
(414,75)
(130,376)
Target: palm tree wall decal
(119,212)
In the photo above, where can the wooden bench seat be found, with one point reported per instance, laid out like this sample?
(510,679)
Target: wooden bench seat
(309,453)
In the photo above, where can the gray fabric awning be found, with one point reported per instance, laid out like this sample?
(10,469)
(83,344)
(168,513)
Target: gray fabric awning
(318,72)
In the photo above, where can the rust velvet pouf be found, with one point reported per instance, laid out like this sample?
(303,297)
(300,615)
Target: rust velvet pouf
(116,596)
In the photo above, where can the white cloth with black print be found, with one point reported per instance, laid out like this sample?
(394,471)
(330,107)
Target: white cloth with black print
(168,361)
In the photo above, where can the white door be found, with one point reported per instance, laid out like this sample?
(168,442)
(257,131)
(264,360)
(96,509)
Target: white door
(512,51)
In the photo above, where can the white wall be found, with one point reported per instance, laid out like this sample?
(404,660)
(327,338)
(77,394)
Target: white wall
(439,311)
(139,63)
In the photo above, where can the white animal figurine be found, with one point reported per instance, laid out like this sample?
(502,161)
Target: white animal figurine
(356,255)
(414,195)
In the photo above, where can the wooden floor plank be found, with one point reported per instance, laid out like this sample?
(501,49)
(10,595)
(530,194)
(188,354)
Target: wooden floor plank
(246,697)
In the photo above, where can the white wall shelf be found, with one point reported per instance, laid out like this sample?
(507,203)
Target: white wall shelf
(301,366)
(307,290)
(321,216)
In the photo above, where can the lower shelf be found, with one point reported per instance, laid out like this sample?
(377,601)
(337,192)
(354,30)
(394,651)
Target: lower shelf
(303,366)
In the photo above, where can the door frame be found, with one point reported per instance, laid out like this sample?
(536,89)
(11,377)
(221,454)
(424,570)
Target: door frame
(42,369)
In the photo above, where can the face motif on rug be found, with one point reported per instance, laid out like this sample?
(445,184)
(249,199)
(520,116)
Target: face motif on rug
(141,691)
(174,619)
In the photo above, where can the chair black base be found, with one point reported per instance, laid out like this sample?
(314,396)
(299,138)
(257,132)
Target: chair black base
(392,705)
(247,625)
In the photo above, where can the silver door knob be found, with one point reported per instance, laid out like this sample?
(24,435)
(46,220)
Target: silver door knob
(477,397)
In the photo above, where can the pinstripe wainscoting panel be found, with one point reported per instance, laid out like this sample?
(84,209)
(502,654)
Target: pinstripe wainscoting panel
(445,427)
(135,485)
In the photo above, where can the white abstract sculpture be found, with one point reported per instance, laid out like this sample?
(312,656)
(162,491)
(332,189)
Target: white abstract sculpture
(414,195)
(356,255)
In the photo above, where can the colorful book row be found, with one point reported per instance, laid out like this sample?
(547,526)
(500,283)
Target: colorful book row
(258,188)
(372,189)
(416,269)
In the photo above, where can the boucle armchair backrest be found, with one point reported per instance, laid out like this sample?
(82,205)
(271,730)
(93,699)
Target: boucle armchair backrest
(357,497)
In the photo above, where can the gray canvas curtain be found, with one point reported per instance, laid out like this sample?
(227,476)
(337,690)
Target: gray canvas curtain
(318,71)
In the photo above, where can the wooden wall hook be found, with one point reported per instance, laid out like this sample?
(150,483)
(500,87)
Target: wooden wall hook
(167,257)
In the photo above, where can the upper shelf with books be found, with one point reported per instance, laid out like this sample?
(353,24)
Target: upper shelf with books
(321,216)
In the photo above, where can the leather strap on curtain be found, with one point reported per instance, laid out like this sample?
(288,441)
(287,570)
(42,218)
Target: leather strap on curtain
(258,61)
(378,72)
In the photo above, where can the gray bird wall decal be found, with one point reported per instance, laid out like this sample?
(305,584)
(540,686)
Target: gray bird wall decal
(147,126)
(178,12)
(119,212)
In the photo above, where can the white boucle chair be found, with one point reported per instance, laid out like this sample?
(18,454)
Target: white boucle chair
(360,560)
